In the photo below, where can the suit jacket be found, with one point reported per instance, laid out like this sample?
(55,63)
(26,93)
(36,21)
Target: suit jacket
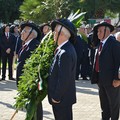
(79,48)
(24,55)
(109,63)
(0,56)
(7,43)
(18,44)
(61,82)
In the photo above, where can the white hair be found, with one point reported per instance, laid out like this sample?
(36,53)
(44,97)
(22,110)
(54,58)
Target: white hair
(108,28)
(35,33)
(64,30)
(30,28)
(117,35)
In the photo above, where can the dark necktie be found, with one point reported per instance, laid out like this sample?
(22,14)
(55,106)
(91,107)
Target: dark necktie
(7,36)
(97,57)
(22,49)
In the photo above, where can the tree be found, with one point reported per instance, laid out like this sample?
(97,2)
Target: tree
(41,11)
(114,7)
(9,10)
(98,8)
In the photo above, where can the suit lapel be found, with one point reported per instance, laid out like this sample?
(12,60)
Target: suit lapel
(26,49)
(56,57)
(63,47)
(105,46)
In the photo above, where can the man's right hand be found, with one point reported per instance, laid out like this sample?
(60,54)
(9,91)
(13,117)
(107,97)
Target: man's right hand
(8,51)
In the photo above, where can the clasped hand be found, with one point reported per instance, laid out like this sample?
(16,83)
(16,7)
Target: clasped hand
(116,83)
(8,51)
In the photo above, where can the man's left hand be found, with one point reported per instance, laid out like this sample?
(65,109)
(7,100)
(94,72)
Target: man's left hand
(116,83)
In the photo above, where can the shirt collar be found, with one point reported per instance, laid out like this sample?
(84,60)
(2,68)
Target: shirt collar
(27,43)
(62,44)
(7,33)
(104,41)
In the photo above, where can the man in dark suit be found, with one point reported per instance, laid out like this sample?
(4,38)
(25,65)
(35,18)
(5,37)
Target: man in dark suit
(91,52)
(30,36)
(0,48)
(7,44)
(79,47)
(85,59)
(106,69)
(61,82)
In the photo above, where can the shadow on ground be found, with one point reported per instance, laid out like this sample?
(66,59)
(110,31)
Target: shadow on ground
(86,87)
(8,85)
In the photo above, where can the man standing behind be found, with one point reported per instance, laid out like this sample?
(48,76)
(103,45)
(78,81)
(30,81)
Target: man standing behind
(84,68)
(106,68)
(30,36)
(61,82)
(7,44)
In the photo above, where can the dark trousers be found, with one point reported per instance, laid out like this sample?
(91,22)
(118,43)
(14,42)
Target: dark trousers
(110,102)
(39,113)
(85,67)
(78,68)
(63,113)
(19,72)
(0,63)
(5,58)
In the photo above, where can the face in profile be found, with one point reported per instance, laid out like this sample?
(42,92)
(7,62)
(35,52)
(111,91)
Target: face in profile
(45,29)
(25,32)
(15,29)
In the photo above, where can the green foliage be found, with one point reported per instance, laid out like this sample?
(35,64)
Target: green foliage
(9,10)
(98,8)
(38,64)
(110,14)
(76,18)
(41,11)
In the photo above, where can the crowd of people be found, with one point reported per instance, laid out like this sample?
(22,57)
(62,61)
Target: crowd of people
(10,46)
(83,46)
(85,53)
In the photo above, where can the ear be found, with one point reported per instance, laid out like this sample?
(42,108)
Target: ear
(61,33)
(108,31)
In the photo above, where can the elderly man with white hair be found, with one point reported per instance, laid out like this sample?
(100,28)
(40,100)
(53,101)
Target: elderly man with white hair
(61,82)
(106,68)
(30,36)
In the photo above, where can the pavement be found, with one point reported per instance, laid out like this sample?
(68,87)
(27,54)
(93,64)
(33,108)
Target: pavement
(86,108)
